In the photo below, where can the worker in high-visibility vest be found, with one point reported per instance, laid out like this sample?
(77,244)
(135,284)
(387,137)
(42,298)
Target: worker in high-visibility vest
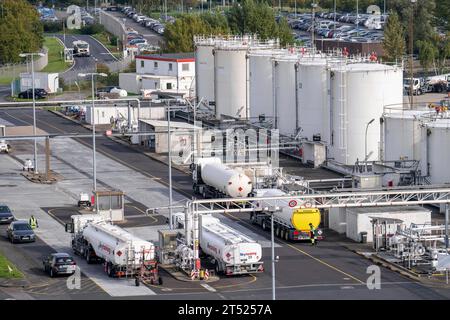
(312,234)
(33,222)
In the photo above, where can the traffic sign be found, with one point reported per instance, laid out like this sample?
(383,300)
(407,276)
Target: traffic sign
(292,203)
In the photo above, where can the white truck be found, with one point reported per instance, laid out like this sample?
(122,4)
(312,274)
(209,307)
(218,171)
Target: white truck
(232,252)
(122,253)
(212,179)
(4,147)
(81,48)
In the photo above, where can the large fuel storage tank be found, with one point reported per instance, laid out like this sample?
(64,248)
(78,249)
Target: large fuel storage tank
(401,134)
(435,151)
(312,97)
(261,82)
(204,68)
(230,80)
(358,93)
(285,97)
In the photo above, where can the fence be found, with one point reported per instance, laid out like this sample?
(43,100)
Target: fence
(14,70)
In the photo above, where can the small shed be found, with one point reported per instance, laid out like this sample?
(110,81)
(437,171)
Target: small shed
(110,204)
(42,80)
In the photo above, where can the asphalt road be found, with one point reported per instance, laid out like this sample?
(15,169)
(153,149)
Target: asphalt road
(99,54)
(326,271)
(5,91)
(152,37)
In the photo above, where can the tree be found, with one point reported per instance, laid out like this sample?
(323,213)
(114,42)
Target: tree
(442,45)
(427,54)
(394,42)
(20,30)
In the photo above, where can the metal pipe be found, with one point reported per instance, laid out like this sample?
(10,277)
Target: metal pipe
(169,147)
(446,225)
(34,116)
(94,167)
(273,256)
(365,142)
(296,97)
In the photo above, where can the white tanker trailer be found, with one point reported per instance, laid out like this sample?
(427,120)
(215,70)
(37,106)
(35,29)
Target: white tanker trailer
(231,251)
(96,239)
(212,179)
(290,223)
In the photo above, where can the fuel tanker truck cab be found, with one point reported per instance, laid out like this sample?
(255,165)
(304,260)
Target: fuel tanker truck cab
(233,253)
(213,179)
(290,223)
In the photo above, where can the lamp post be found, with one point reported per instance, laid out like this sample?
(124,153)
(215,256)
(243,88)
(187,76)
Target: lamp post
(169,152)
(365,142)
(94,165)
(411,52)
(314,6)
(32,54)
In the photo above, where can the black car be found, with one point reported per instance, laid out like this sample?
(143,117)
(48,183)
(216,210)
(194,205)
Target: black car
(20,231)
(28,94)
(59,263)
(6,215)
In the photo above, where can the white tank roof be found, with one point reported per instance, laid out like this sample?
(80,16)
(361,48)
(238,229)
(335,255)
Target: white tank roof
(363,67)
(439,123)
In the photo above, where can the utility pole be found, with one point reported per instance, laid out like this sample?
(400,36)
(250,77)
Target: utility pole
(314,6)
(169,151)
(411,52)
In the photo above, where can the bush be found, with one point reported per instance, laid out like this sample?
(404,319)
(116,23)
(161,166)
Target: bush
(92,29)
(102,68)
(114,40)
(53,26)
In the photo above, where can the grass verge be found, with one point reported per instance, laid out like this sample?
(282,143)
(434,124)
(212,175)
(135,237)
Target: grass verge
(8,270)
(56,61)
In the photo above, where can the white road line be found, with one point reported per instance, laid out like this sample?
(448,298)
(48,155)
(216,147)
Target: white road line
(208,287)
(108,52)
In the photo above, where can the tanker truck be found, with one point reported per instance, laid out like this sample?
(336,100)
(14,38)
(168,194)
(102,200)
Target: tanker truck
(290,223)
(122,253)
(212,179)
(231,251)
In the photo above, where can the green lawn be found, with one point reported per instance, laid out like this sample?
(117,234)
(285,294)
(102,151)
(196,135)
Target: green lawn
(5,272)
(56,61)
(6,80)
(104,38)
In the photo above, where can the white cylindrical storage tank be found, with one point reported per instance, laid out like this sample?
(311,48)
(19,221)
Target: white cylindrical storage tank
(284,99)
(228,181)
(204,70)
(401,134)
(435,141)
(313,98)
(261,82)
(359,93)
(230,80)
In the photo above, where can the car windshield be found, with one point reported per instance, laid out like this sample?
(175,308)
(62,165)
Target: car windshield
(64,260)
(4,209)
(21,226)
(82,46)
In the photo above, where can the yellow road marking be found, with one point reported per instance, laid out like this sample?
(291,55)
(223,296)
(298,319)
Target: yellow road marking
(147,215)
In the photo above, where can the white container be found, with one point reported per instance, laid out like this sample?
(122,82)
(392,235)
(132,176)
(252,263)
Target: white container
(261,82)
(337,220)
(435,150)
(121,92)
(116,245)
(81,221)
(228,181)
(230,81)
(358,94)
(42,80)
(226,244)
(204,70)
(313,98)
(401,132)
(285,104)
(359,219)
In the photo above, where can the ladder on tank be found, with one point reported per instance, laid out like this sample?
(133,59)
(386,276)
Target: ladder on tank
(343,113)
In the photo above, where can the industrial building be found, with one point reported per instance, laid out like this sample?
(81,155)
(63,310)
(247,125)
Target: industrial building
(113,113)
(170,73)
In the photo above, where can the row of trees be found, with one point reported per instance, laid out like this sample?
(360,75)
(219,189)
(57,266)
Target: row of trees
(248,17)
(20,30)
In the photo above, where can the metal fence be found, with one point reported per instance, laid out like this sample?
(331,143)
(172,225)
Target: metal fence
(14,70)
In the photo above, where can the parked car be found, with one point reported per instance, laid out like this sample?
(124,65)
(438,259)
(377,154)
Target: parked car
(20,231)
(6,215)
(136,41)
(59,263)
(28,94)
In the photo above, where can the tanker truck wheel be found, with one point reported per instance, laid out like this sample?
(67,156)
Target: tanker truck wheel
(282,233)
(88,257)
(286,235)
(136,282)
(217,268)
(160,281)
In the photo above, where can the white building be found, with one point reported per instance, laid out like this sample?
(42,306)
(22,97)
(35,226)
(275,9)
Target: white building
(42,80)
(134,83)
(178,66)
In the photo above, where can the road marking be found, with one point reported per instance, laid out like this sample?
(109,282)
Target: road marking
(347,287)
(305,253)
(179,190)
(138,209)
(208,287)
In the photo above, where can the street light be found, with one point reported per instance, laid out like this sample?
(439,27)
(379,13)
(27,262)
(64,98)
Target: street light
(314,6)
(94,165)
(411,49)
(365,143)
(23,55)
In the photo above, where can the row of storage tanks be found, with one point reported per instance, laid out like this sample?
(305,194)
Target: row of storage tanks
(302,93)
(420,134)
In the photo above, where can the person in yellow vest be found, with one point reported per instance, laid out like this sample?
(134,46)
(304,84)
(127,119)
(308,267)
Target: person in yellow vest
(33,222)
(312,234)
